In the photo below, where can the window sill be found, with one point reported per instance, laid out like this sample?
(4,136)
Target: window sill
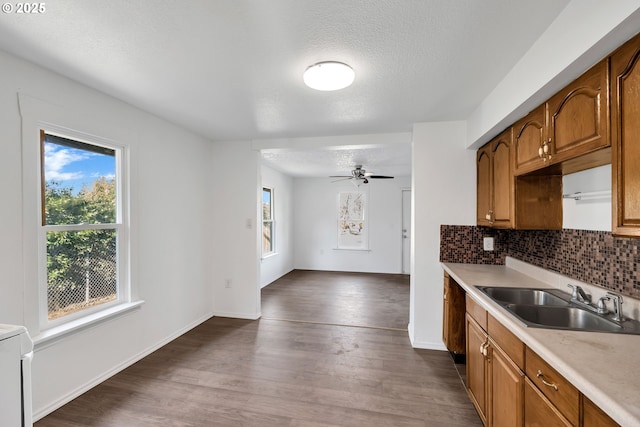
(269,255)
(49,337)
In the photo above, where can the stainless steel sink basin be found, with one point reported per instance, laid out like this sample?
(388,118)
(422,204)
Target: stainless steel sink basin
(554,309)
(563,318)
(527,296)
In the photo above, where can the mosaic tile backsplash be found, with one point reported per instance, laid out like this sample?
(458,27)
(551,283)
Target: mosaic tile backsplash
(594,257)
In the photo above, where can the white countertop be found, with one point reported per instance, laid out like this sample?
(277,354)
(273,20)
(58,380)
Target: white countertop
(602,366)
(8,331)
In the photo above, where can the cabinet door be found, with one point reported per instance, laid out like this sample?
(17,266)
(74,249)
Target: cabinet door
(453,329)
(502,179)
(538,411)
(483,170)
(578,115)
(507,391)
(528,137)
(592,416)
(477,367)
(625,137)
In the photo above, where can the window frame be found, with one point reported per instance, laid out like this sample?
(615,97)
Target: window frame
(121,227)
(272,222)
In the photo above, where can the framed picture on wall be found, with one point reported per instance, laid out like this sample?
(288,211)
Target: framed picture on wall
(352,225)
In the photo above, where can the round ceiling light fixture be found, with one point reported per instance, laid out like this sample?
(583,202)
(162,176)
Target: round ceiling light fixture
(329,75)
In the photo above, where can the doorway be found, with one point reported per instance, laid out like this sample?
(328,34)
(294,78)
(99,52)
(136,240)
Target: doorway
(406,231)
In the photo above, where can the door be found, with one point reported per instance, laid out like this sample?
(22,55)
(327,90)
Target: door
(406,231)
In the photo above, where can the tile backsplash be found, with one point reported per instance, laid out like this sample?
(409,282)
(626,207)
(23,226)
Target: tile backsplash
(594,257)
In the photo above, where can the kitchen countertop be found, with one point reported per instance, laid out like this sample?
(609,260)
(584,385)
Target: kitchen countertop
(602,366)
(8,331)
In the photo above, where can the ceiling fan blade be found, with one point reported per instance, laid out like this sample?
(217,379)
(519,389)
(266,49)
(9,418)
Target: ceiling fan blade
(342,178)
(380,177)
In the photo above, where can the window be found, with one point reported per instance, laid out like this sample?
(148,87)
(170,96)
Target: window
(268,224)
(82,241)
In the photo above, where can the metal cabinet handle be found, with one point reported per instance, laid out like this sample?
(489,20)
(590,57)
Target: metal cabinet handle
(548,384)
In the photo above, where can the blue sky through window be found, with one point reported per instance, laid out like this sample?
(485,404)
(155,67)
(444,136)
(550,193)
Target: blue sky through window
(76,168)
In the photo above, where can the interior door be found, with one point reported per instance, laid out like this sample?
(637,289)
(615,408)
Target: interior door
(406,231)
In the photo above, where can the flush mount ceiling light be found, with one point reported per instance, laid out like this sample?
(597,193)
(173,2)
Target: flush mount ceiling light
(329,75)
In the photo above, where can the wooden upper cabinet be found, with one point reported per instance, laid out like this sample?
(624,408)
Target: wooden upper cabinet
(502,180)
(569,130)
(484,195)
(625,137)
(495,182)
(578,115)
(529,136)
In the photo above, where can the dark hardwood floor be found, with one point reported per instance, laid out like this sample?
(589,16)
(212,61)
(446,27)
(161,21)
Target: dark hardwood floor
(354,299)
(293,372)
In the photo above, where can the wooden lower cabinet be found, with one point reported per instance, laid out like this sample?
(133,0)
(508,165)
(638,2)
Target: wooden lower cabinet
(539,411)
(453,308)
(494,381)
(512,386)
(477,340)
(507,390)
(592,416)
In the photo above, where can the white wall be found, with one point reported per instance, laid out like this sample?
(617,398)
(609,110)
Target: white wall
(584,32)
(235,189)
(592,212)
(315,226)
(281,262)
(444,192)
(171,229)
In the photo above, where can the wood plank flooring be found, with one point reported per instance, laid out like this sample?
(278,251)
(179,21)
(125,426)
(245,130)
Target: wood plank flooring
(295,372)
(355,299)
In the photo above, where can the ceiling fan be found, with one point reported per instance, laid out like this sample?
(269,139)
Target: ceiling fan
(360,175)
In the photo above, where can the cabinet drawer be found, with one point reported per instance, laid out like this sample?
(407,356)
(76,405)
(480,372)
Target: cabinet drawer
(506,340)
(478,313)
(554,386)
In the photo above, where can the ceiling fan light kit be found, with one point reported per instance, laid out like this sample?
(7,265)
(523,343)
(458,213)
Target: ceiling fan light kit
(328,76)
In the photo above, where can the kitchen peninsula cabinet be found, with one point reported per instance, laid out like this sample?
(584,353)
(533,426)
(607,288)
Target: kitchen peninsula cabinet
(625,136)
(495,182)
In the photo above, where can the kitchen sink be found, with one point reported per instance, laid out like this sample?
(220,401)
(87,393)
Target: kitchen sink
(563,318)
(554,309)
(527,296)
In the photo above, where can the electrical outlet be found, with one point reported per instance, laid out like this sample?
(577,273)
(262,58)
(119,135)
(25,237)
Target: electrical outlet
(488,243)
(227,283)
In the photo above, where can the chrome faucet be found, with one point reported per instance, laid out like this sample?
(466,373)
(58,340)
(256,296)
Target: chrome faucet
(578,294)
(581,298)
(617,306)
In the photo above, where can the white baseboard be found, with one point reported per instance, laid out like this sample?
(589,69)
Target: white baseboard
(252,316)
(100,378)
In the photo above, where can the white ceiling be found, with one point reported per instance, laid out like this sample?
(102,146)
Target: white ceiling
(232,69)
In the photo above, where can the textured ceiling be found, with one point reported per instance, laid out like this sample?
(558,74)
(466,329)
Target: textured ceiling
(394,160)
(232,69)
